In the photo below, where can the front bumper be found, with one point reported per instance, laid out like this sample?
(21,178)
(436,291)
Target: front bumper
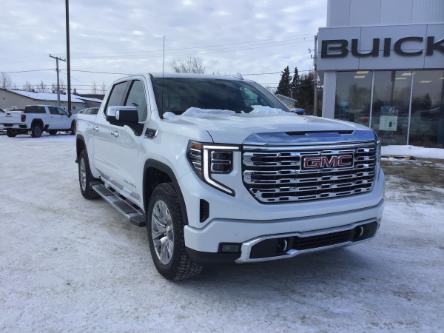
(249,233)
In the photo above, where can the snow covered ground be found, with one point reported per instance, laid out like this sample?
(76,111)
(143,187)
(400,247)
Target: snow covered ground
(413,151)
(71,265)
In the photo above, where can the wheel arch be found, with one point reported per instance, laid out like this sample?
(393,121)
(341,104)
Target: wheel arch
(80,145)
(38,121)
(160,173)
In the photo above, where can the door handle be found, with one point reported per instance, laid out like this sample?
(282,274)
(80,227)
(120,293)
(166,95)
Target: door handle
(96,128)
(115,134)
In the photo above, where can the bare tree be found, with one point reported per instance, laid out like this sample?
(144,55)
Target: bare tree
(103,88)
(41,87)
(27,86)
(5,80)
(94,88)
(190,65)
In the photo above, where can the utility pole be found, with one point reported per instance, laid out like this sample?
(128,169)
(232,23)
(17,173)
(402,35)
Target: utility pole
(68,56)
(58,81)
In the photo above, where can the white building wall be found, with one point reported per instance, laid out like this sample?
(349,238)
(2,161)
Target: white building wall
(342,13)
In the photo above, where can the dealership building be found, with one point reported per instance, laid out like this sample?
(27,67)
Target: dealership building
(381,63)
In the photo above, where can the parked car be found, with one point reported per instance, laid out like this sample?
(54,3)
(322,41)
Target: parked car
(87,111)
(36,119)
(219,170)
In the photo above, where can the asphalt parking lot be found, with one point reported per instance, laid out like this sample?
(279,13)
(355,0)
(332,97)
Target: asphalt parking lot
(71,265)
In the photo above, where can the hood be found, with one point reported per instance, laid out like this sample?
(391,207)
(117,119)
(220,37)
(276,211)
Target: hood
(235,129)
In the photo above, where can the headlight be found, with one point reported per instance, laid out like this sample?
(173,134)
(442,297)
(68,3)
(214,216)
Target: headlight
(209,159)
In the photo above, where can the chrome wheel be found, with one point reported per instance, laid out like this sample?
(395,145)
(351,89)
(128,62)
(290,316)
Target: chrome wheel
(82,174)
(162,232)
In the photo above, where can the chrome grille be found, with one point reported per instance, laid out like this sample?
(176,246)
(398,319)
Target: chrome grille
(274,174)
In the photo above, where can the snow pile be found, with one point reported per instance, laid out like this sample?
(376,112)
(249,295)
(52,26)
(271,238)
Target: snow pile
(414,151)
(258,110)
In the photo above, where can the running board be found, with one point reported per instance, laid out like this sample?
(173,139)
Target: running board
(123,206)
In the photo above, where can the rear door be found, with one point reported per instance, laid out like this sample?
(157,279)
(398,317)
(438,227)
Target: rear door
(55,118)
(104,137)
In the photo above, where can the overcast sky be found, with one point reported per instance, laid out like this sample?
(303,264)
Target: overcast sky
(230,36)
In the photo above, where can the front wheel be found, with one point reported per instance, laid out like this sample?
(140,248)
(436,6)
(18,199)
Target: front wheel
(165,235)
(73,128)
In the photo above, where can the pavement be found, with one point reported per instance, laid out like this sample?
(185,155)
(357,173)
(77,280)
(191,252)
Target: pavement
(72,265)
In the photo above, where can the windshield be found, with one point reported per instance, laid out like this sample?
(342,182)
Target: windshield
(176,95)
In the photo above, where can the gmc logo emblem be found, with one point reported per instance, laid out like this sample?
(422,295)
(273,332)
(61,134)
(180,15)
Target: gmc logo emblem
(327,162)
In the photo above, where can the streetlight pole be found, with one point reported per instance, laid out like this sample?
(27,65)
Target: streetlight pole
(68,56)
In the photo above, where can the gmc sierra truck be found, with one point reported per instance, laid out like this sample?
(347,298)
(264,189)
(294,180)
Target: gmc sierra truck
(36,119)
(219,170)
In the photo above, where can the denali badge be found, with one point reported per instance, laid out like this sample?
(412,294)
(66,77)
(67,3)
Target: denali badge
(327,162)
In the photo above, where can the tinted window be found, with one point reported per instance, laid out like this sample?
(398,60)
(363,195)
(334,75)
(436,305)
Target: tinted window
(136,97)
(53,110)
(177,95)
(35,109)
(117,94)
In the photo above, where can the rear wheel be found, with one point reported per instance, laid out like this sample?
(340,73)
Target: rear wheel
(11,133)
(165,235)
(86,180)
(36,130)
(52,132)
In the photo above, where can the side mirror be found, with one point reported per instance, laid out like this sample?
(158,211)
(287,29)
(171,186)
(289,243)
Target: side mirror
(298,111)
(122,115)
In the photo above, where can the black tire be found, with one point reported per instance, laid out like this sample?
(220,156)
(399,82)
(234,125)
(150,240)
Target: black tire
(86,189)
(180,266)
(73,128)
(52,132)
(36,130)
(11,133)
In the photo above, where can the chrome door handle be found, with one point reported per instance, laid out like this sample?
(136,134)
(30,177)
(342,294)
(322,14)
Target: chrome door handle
(96,128)
(115,134)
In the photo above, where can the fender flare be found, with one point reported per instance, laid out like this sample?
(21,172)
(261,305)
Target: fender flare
(151,163)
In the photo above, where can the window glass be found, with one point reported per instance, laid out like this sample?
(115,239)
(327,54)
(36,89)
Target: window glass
(35,109)
(53,110)
(177,95)
(353,92)
(391,96)
(62,112)
(137,98)
(427,122)
(117,94)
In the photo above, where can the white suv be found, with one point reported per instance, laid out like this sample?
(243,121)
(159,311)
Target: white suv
(220,170)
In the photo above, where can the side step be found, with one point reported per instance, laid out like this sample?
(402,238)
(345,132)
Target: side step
(126,208)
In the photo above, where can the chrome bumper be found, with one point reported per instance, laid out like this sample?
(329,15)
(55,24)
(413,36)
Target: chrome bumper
(247,247)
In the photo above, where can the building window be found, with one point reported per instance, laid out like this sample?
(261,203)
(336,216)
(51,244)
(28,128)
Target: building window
(427,122)
(353,92)
(390,110)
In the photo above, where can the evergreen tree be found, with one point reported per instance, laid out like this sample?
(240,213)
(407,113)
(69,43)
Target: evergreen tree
(294,86)
(284,84)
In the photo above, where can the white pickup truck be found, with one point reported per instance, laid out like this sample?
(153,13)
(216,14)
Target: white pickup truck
(36,119)
(219,170)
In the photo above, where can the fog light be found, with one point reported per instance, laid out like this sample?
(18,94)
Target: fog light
(230,248)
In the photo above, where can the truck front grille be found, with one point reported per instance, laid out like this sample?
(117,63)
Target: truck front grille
(282,174)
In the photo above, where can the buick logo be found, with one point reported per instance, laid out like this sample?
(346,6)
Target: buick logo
(327,162)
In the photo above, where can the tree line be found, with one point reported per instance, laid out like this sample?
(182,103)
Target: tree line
(298,87)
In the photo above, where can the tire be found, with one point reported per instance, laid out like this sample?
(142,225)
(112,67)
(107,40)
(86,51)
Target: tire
(52,132)
(11,133)
(36,130)
(179,266)
(73,128)
(86,180)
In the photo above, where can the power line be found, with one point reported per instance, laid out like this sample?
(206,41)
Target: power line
(29,70)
